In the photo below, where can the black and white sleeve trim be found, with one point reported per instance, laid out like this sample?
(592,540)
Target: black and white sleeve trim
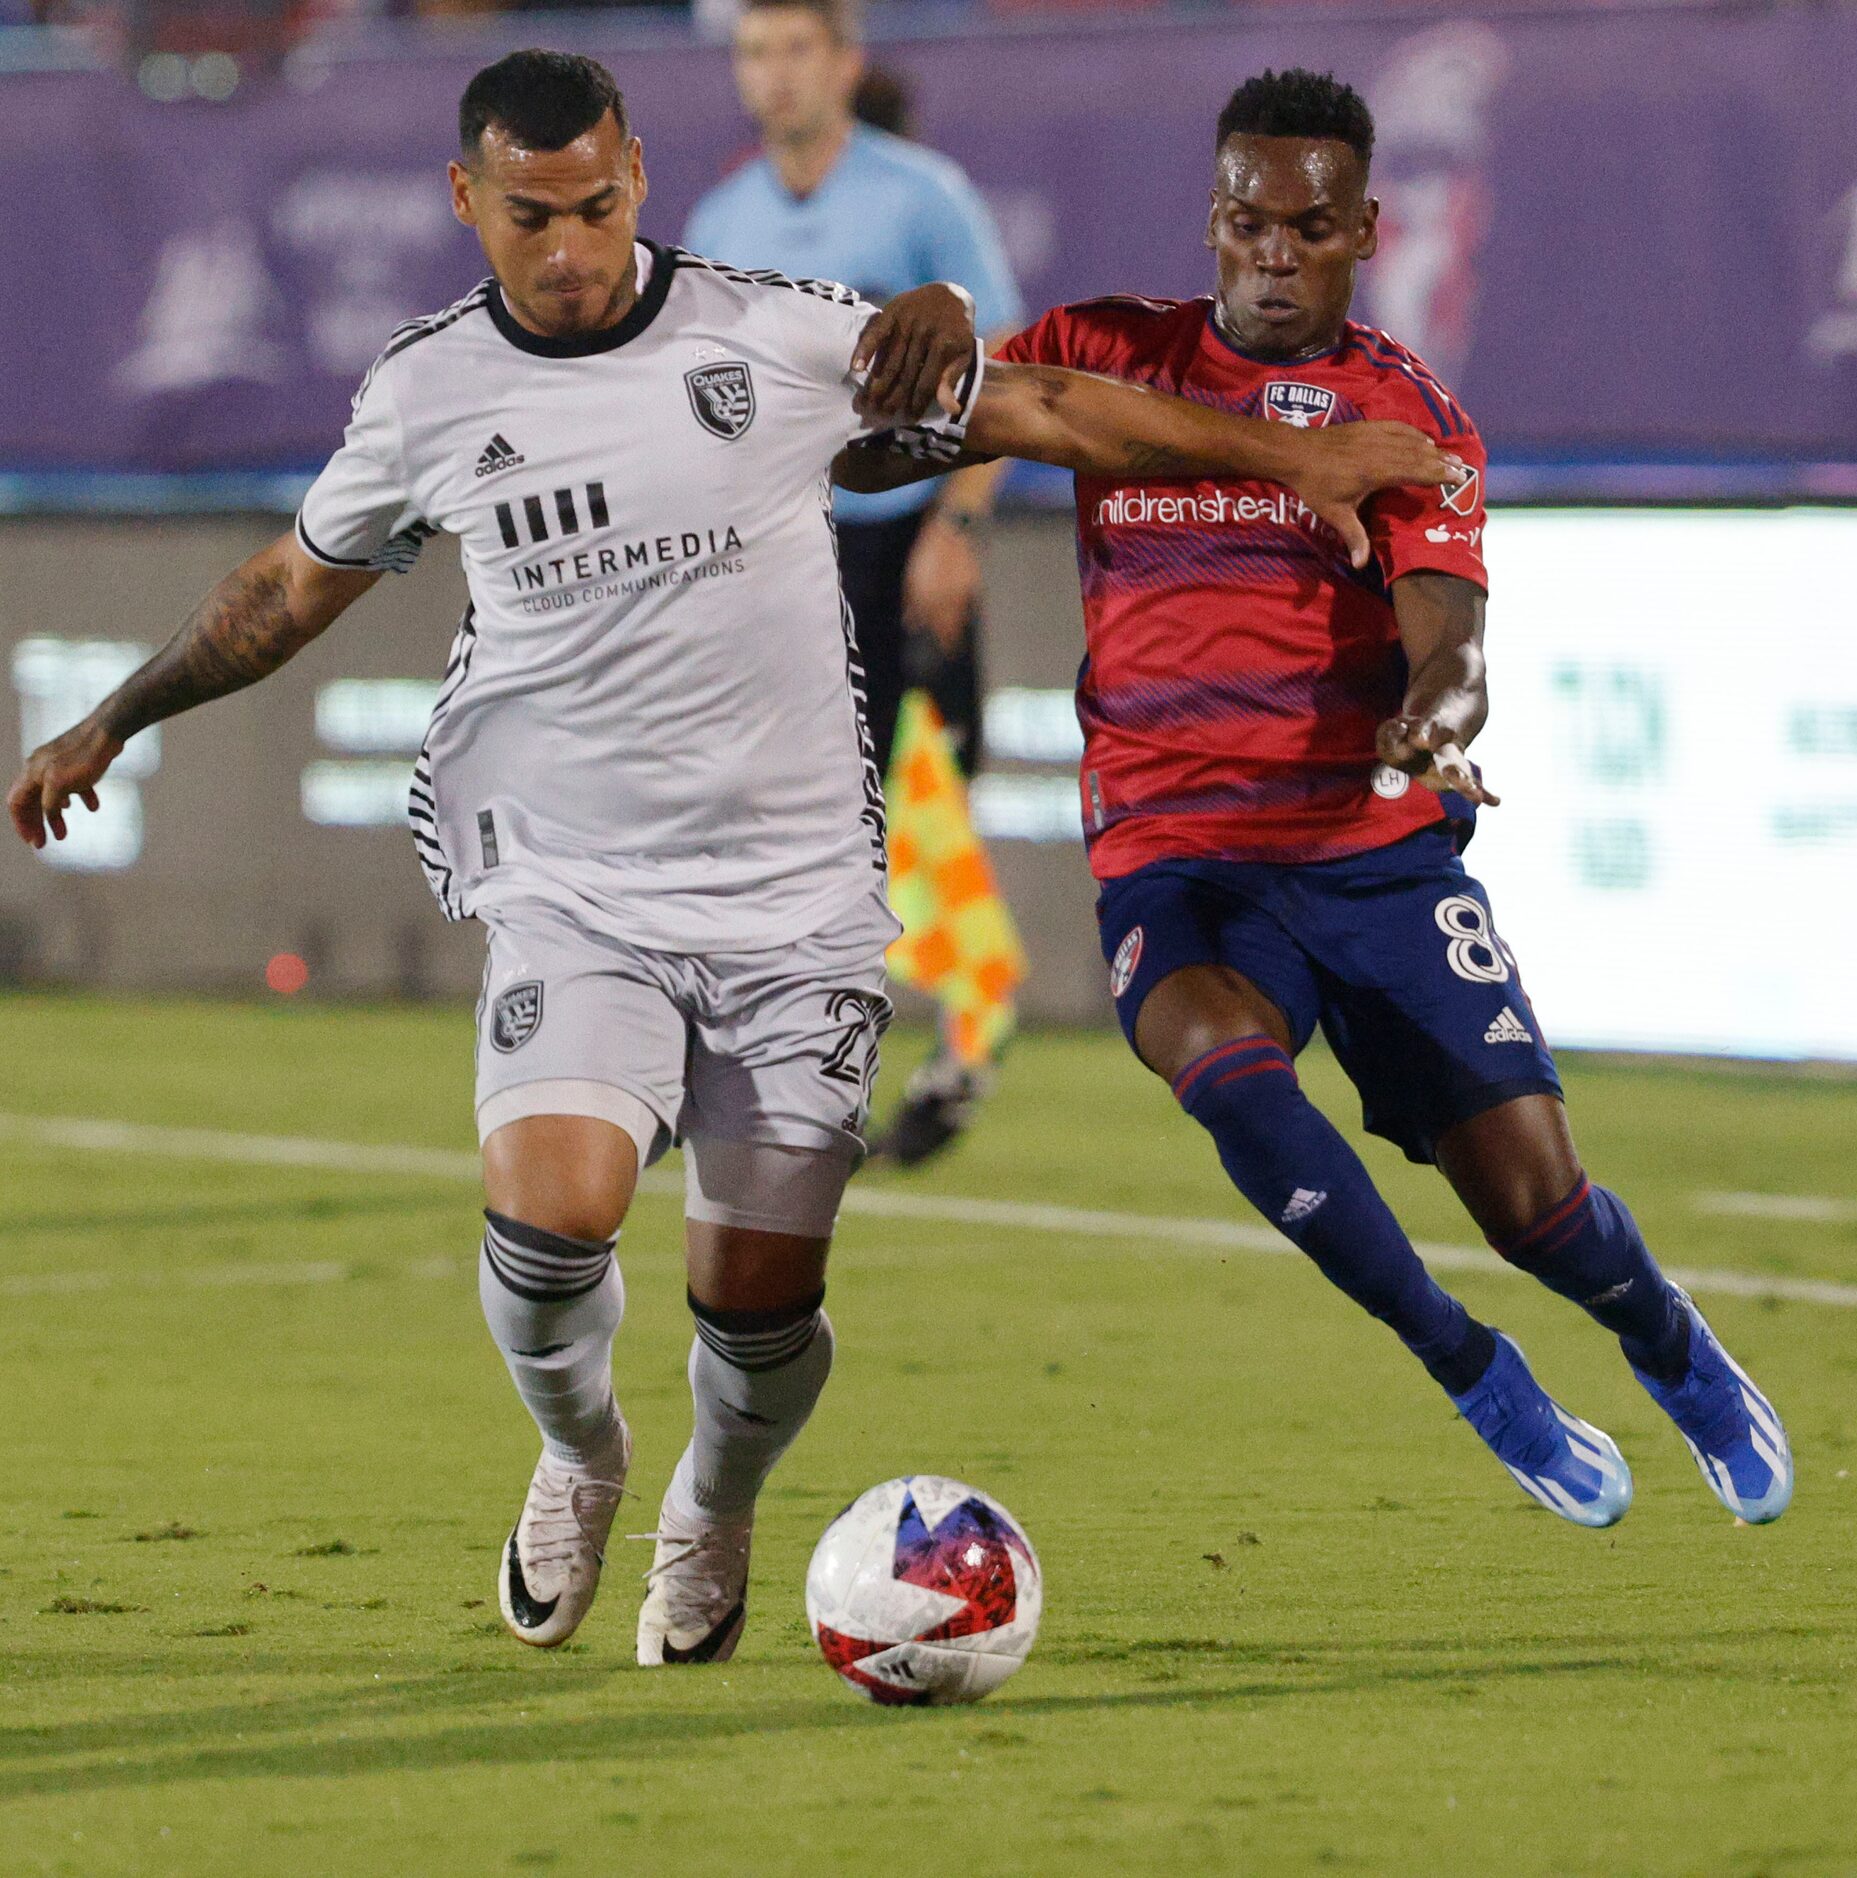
(412,331)
(835,291)
(307,543)
(422,797)
(396,555)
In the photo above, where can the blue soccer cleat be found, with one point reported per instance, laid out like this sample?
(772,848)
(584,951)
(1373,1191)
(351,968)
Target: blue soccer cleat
(1571,1467)
(1737,1439)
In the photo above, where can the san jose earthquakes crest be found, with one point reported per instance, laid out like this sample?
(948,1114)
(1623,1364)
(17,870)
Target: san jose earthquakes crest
(1290,401)
(516,1016)
(722,396)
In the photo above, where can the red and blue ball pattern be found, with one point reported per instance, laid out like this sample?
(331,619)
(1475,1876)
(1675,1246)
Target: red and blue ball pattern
(974,1553)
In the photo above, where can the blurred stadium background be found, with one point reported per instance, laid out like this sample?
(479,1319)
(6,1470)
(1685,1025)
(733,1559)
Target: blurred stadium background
(1627,235)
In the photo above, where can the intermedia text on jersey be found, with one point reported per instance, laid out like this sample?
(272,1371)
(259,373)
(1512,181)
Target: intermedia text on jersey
(690,554)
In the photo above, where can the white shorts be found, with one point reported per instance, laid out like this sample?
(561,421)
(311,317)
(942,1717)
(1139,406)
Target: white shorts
(777,1047)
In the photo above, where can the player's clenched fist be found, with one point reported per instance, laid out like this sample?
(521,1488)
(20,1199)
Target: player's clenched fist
(71,765)
(1432,752)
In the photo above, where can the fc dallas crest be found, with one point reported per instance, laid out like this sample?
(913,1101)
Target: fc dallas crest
(1290,401)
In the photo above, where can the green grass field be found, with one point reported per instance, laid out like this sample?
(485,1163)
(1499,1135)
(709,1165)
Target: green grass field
(261,1455)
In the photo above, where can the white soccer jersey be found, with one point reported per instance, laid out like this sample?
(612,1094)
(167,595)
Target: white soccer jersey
(653,709)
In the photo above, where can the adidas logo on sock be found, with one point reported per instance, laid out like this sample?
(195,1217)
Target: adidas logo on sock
(497,456)
(1303,1202)
(1508,1028)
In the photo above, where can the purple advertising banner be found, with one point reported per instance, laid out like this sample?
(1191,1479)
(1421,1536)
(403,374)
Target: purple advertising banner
(1622,234)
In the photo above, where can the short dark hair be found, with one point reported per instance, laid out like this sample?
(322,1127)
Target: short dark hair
(839,17)
(543,100)
(883,99)
(1299,103)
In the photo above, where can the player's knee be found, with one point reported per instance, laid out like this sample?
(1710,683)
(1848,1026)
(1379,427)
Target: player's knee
(1195,1011)
(1521,1218)
(570,1205)
(564,1174)
(586,1217)
(1512,1166)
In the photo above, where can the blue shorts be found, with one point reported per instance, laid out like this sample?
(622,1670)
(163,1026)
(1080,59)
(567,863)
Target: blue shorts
(1393,952)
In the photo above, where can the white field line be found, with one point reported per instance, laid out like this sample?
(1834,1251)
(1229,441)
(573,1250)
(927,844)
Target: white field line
(1817,1208)
(1161,1232)
(1157,1234)
(212,1144)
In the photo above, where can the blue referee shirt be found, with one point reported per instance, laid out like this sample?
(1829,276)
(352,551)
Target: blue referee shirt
(889,216)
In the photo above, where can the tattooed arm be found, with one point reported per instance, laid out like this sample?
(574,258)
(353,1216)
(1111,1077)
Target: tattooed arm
(260,615)
(1106,427)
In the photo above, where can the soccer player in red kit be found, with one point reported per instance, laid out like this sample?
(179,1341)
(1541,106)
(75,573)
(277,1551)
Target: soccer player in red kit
(1275,797)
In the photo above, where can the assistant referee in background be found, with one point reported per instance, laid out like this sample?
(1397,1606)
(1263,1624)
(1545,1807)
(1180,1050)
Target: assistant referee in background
(836,199)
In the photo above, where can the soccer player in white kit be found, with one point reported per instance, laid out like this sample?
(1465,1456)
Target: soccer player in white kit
(647,773)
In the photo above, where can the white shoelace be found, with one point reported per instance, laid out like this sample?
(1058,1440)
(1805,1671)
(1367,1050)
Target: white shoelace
(696,1599)
(563,1516)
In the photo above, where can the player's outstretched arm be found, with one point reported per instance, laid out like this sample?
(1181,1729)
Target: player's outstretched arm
(263,613)
(1105,427)
(1447,692)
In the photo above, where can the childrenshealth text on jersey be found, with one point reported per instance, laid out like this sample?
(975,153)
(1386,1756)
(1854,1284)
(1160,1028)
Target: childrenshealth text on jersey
(1237,666)
(652,716)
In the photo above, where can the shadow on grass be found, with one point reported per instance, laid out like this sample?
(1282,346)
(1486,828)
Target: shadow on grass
(1647,1647)
(415,1724)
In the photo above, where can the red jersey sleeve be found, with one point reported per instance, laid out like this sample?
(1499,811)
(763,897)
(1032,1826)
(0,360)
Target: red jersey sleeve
(1430,528)
(1086,336)
(1045,342)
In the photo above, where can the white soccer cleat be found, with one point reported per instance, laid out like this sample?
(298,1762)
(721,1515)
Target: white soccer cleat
(698,1589)
(550,1569)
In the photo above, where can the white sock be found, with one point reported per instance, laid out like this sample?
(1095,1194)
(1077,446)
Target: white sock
(754,1377)
(554,1305)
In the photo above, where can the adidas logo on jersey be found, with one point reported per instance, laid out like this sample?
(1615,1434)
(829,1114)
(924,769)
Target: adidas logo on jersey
(498,456)
(1508,1028)
(1303,1202)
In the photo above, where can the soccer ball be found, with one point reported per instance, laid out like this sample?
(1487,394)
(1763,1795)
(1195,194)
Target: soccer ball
(924,1590)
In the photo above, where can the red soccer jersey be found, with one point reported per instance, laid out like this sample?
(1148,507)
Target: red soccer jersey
(1237,666)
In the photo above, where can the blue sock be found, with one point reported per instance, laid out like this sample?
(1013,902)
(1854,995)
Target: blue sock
(1589,1249)
(1286,1158)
